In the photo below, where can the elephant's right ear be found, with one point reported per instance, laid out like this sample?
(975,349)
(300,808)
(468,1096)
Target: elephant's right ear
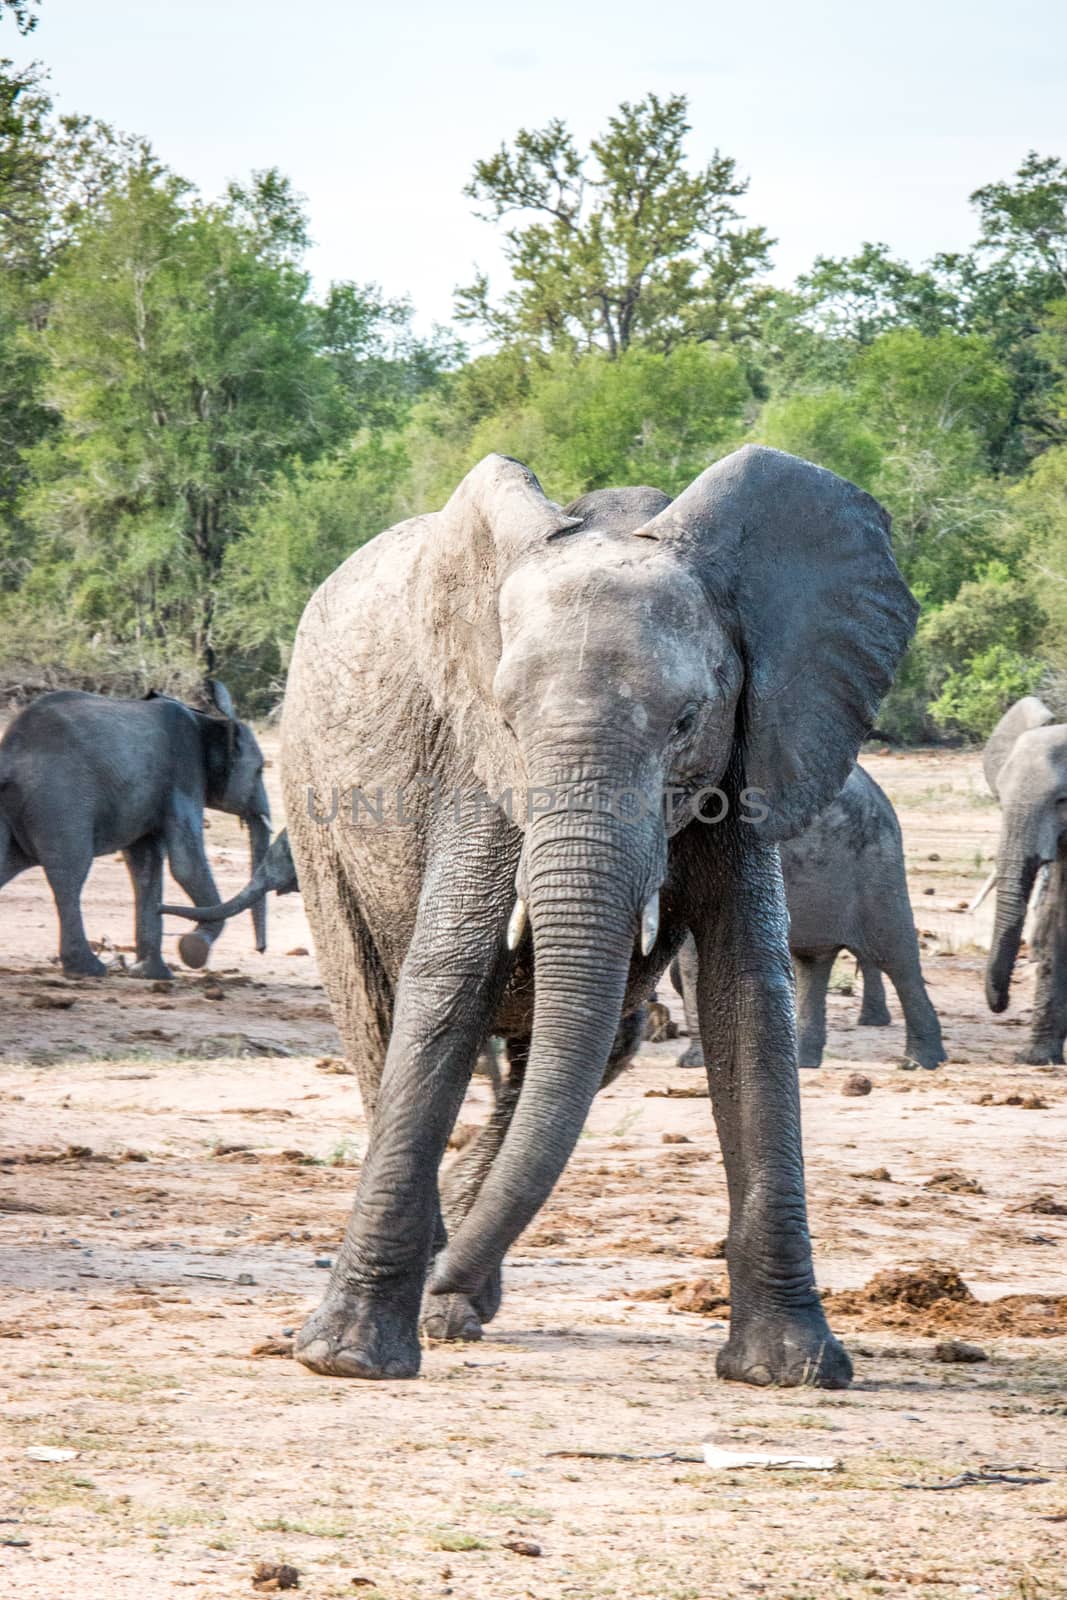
(498,514)
(1027,713)
(799,560)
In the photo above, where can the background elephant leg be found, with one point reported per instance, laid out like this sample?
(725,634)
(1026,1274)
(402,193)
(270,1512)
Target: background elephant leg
(778,1330)
(189,864)
(813,971)
(455,1316)
(922,1041)
(145,863)
(874,1013)
(66,865)
(1049,1022)
(686,959)
(450,985)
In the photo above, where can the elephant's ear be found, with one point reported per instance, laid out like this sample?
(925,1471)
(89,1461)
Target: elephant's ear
(219,696)
(1027,713)
(498,514)
(822,616)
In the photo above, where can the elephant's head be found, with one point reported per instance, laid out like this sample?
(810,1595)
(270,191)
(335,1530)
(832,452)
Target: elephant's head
(625,647)
(1026,765)
(235,784)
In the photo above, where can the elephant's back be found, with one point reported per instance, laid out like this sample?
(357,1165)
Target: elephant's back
(840,872)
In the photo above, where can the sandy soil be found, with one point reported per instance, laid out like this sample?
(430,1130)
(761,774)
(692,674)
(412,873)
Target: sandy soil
(175,1169)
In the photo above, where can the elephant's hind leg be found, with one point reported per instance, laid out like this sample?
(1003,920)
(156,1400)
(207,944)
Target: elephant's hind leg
(145,863)
(66,864)
(813,969)
(922,1041)
(874,1013)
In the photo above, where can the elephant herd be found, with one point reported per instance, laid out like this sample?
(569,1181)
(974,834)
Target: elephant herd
(533,757)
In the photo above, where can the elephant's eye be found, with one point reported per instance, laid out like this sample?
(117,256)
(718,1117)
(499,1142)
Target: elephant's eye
(685,723)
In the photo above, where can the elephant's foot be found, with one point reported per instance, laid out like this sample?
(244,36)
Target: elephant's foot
(929,1056)
(785,1349)
(874,1016)
(811,1059)
(450,1317)
(1042,1052)
(84,964)
(459,1316)
(150,967)
(194,949)
(693,1057)
(360,1336)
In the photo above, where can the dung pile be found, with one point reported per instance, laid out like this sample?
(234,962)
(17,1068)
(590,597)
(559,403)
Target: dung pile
(933,1299)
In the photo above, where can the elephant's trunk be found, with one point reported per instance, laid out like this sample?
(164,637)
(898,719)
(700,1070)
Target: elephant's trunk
(1017,866)
(275,872)
(259,844)
(587,877)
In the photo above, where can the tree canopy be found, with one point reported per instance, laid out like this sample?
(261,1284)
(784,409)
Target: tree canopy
(622,245)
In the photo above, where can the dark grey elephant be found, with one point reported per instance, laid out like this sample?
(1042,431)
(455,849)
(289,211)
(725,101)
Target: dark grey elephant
(531,706)
(84,776)
(846,889)
(1025,763)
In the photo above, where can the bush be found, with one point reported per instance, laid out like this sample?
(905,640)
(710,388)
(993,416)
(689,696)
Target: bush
(971,658)
(973,700)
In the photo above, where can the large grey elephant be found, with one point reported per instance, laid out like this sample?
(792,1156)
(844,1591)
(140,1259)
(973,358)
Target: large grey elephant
(501,726)
(82,776)
(1025,763)
(846,888)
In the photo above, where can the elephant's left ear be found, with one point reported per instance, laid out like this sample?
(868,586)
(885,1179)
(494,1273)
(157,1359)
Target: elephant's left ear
(822,612)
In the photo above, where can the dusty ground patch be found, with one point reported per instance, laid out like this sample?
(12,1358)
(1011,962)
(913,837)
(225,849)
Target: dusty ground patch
(166,1195)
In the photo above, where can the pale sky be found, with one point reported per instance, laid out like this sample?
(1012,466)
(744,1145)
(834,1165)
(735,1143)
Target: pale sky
(853,120)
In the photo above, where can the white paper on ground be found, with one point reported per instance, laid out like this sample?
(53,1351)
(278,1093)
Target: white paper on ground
(714,1457)
(48,1452)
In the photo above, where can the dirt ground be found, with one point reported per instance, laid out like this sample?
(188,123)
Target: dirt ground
(176,1163)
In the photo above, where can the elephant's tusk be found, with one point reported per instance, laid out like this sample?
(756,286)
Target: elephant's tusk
(650,924)
(517,925)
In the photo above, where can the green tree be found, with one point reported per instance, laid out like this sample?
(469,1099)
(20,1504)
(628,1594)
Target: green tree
(826,426)
(306,523)
(644,417)
(184,360)
(622,246)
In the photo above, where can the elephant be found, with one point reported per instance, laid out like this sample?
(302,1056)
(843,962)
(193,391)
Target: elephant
(565,738)
(1025,764)
(845,889)
(82,775)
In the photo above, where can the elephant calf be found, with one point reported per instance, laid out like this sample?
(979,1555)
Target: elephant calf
(846,889)
(82,776)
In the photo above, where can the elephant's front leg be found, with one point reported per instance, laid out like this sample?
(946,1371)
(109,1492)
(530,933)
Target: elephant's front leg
(449,987)
(459,1316)
(778,1331)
